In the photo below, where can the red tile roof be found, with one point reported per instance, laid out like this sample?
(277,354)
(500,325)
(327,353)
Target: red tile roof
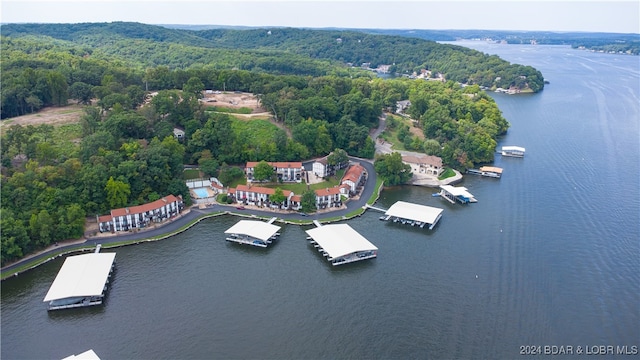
(260,190)
(279,165)
(354,173)
(105,218)
(328,191)
(144,207)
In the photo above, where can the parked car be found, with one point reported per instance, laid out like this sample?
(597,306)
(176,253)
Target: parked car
(240,207)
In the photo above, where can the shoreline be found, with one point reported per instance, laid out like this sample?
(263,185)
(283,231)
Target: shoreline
(52,252)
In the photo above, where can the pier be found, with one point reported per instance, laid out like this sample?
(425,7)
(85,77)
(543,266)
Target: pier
(413,214)
(82,281)
(488,171)
(341,244)
(253,232)
(453,194)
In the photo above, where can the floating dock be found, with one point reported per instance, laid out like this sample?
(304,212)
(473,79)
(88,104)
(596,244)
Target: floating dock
(253,232)
(513,151)
(488,171)
(453,194)
(82,281)
(413,214)
(340,244)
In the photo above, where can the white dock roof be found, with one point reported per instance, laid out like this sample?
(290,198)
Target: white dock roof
(81,275)
(415,212)
(87,355)
(457,191)
(512,148)
(340,240)
(254,228)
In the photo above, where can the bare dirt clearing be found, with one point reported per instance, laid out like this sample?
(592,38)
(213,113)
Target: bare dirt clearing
(52,115)
(233,100)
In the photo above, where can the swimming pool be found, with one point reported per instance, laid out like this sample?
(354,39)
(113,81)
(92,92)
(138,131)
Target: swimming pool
(201,192)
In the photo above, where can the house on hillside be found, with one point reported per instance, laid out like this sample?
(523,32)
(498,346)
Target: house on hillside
(402,105)
(140,216)
(426,164)
(178,133)
(286,171)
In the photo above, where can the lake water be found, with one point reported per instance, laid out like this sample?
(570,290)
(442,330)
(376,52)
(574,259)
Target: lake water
(550,255)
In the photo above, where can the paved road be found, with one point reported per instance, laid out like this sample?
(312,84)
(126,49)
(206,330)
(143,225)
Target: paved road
(194,213)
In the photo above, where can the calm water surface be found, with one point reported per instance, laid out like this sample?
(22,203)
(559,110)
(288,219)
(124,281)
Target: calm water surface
(548,256)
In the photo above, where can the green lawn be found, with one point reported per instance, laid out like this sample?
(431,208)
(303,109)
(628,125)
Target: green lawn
(191,174)
(446,174)
(242,110)
(299,188)
(236,182)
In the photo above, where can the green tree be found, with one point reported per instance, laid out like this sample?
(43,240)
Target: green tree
(277,196)
(117,193)
(57,88)
(14,237)
(431,147)
(229,173)
(392,170)
(41,228)
(263,171)
(193,87)
(338,159)
(308,201)
(209,166)
(81,91)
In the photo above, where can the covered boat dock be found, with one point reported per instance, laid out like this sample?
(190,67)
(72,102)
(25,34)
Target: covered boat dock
(513,151)
(453,194)
(414,214)
(341,244)
(253,232)
(82,281)
(488,171)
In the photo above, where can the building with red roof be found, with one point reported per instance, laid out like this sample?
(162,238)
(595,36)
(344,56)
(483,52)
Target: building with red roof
(329,197)
(140,216)
(258,195)
(286,171)
(353,177)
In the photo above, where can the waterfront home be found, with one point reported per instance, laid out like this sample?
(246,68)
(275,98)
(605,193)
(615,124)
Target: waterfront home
(140,216)
(427,164)
(354,177)
(286,171)
(329,197)
(259,196)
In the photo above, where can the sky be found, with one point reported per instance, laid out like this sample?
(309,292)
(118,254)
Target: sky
(540,15)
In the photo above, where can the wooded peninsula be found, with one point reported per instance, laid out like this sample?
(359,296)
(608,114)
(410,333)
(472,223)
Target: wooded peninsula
(138,83)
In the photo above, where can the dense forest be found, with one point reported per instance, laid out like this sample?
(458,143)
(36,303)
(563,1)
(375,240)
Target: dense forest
(596,41)
(284,50)
(123,151)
